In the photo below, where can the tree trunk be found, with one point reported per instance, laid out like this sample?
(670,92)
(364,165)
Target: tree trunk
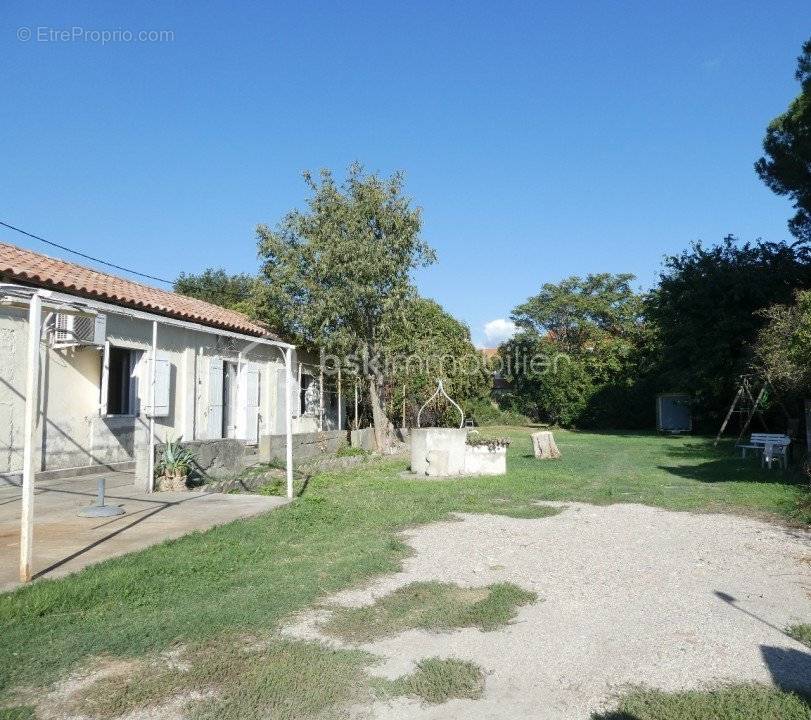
(543,443)
(379,419)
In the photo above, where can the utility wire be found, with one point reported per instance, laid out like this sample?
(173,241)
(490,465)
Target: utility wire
(87,257)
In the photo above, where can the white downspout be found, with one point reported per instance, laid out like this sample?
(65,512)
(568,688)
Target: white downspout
(31,402)
(288,387)
(152,364)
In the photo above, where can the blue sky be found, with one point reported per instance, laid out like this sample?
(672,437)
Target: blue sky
(541,139)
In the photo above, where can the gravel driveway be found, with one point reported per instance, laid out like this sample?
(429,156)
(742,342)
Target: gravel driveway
(628,594)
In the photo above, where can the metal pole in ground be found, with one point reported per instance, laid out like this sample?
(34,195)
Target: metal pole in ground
(152,368)
(30,420)
(340,409)
(288,411)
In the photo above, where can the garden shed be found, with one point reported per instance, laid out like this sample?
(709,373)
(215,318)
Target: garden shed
(674,413)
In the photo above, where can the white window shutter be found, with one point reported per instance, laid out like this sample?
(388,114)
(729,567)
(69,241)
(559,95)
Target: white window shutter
(214,409)
(105,379)
(163,388)
(251,375)
(281,405)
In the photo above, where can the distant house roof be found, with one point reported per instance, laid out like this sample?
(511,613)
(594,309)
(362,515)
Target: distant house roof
(40,270)
(488,352)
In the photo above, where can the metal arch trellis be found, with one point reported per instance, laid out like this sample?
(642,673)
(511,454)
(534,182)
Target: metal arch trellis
(440,388)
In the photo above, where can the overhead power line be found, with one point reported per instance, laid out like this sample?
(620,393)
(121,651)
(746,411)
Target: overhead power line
(87,257)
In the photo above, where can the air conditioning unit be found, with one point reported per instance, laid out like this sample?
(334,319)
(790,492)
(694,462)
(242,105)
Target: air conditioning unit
(70,329)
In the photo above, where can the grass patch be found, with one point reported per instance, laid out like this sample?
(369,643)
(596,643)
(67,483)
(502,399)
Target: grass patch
(801,632)
(436,681)
(350,451)
(20,712)
(234,679)
(741,702)
(429,606)
(250,576)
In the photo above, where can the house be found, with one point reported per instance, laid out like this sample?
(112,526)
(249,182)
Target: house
(216,373)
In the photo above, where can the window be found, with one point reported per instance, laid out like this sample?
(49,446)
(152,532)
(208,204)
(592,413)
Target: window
(122,381)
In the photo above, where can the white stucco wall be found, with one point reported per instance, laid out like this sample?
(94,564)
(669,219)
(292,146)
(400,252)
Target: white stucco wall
(71,429)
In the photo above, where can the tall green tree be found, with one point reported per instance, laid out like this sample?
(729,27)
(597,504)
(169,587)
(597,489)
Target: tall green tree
(591,332)
(428,344)
(783,347)
(786,164)
(216,286)
(338,273)
(706,314)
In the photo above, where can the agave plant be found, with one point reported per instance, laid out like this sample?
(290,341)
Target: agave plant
(176,459)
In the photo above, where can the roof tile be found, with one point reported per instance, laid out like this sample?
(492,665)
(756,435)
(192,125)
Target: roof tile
(44,271)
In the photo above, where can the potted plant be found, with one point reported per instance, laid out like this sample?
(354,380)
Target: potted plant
(173,468)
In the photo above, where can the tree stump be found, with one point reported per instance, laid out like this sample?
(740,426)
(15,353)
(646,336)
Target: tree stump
(543,443)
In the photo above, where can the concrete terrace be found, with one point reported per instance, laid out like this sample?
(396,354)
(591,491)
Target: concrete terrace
(64,542)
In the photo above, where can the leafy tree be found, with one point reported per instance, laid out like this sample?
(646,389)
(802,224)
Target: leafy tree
(578,314)
(786,165)
(783,347)
(218,287)
(590,332)
(706,314)
(425,344)
(338,274)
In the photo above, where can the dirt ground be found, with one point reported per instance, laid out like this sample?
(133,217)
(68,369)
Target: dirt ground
(628,595)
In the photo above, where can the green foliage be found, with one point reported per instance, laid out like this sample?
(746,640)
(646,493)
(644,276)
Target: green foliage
(232,678)
(786,164)
(580,315)
(338,275)
(783,345)
(425,343)
(476,439)
(737,702)
(801,632)
(487,412)
(706,315)
(252,575)
(591,333)
(175,458)
(437,680)
(350,451)
(430,606)
(234,292)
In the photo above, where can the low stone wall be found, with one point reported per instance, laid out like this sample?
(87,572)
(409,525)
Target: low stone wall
(438,452)
(365,438)
(306,446)
(222,458)
(481,460)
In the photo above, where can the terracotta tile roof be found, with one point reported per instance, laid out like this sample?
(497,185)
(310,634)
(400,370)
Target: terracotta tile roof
(34,268)
(489,353)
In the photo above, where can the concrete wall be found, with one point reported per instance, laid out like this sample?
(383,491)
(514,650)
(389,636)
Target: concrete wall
(437,452)
(216,459)
(305,445)
(365,438)
(481,460)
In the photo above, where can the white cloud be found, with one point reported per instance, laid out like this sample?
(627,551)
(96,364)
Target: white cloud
(498,331)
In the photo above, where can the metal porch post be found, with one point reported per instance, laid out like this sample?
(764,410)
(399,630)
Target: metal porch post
(31,402)
(288,387)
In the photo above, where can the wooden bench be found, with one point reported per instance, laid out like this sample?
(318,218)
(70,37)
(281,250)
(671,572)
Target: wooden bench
(772,446)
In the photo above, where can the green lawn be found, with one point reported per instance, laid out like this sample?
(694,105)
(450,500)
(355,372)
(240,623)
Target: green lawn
(249,576)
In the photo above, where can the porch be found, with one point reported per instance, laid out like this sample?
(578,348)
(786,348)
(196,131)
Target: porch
(64,542)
